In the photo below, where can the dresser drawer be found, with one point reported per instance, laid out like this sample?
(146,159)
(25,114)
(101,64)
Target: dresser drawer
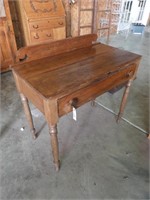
(46,24)
(84,95)
(41,36)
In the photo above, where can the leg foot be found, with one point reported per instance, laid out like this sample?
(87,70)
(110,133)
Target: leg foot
(119,117)
(54,146)
(57,166)
(28,114)
(148,136)
(33,131)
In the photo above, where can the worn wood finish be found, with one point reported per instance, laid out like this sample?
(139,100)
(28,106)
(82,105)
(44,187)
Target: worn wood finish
(92,91)
(54,48)
(6,53)
(72,77)
(54,145)
(51,115)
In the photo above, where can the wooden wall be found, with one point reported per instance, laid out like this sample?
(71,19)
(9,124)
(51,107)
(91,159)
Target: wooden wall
(86,16)
(72,16)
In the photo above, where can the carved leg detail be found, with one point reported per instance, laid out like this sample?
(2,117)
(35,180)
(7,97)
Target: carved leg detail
(124,100)
(54,146)
(28,114)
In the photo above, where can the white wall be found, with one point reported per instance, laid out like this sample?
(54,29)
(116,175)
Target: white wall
(134,13)
(2,11)
(146,12)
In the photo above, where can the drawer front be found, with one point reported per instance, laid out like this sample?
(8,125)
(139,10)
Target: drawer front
(41,36)
(59,33)
(84,95)
(46,24)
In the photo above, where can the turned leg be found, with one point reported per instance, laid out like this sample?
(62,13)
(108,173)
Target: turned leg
(124,100)
(54,146)
(28,114)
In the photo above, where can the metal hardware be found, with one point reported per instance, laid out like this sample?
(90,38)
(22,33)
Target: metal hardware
(35,26)
(36,36)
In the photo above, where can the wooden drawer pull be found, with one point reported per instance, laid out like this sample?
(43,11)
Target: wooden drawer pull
(36,36)
(73,102)
(60,23)
(35,26)
(49,35)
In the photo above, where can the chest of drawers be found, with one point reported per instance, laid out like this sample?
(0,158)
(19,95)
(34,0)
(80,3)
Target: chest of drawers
(41,21)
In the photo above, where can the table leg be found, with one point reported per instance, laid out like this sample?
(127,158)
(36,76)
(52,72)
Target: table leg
(54,145)
(28,114)
(124,100)
(93,102)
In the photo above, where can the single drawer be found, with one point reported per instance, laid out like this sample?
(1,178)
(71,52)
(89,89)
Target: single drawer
(84,95)
(46,24)
(41,36)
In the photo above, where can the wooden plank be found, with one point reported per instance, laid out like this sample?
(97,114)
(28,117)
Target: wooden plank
(74,70)
(54,48)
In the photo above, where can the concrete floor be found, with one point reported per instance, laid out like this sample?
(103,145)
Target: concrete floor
(100,159)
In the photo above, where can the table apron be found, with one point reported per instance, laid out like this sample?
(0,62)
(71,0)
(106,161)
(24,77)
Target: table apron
(91,92)
(31,94)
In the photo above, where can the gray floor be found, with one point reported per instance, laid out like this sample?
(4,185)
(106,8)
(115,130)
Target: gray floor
(100,159)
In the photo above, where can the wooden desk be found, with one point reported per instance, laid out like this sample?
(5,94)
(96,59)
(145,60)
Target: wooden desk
(75,72)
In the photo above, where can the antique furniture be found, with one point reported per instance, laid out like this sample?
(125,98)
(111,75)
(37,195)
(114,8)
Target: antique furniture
(40,21)
(60,76)
(6,47)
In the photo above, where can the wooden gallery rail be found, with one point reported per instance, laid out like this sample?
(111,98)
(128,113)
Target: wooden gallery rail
(60,75)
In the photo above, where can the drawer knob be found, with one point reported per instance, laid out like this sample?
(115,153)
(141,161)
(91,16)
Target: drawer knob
(36,36)
(60,23)
(49,35)
(35,26)
(73,102)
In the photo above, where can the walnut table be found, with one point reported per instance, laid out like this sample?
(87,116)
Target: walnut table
(64,74)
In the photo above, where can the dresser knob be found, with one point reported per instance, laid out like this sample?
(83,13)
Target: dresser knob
(36,36)
(49,35)
(35,26)
(60,23)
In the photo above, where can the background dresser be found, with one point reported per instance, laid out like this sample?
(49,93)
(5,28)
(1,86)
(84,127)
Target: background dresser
(40,20)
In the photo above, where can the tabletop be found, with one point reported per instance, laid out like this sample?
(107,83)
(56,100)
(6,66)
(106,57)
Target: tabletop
(62,74)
